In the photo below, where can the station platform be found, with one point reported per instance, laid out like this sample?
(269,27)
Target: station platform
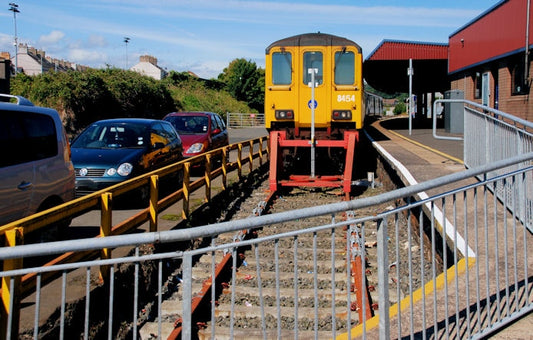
(418,157)
(423,155)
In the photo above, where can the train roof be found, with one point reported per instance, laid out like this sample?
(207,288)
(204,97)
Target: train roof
(313,39)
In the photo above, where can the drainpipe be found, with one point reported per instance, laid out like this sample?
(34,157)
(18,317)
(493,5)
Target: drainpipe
(526,59)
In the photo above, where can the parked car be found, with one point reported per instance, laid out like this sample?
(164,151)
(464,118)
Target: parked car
(199,131)
(36,172)
(111,151)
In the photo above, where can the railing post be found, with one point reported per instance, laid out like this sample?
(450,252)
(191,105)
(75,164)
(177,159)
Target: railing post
(9,318)
(225,168)
(106,220)
(260,151)
(186,188)
(187,296)
(251,155)
(239,160)
(208,177)
(268,147)
(154,196)
(383,279)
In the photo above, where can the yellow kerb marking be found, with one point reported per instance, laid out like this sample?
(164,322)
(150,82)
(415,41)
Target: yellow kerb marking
(417,296)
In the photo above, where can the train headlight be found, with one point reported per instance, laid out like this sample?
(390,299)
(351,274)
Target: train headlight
(284,114)
(341,115)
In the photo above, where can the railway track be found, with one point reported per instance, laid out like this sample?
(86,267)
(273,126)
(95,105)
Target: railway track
(246,307)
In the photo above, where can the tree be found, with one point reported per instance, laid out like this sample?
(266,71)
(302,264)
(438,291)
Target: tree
(245,82)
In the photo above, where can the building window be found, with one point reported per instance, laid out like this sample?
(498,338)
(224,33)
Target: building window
(477,85)
(518,81)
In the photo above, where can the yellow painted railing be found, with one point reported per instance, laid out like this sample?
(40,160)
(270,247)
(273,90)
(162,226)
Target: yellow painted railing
(13,233)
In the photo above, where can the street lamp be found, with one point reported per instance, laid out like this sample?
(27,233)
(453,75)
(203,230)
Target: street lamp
(126,41)
(15,9)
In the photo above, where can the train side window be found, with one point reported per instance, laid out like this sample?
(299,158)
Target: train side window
(281,68)
(344,68)
(313,59)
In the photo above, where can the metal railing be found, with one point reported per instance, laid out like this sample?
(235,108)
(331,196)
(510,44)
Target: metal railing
(463,272)
(233,158)
(492,135)
(240,120)
(373,104)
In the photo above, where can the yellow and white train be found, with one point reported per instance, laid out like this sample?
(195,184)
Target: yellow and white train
(324,117)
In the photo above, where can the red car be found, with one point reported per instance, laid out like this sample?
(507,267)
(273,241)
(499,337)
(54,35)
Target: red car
(199,131)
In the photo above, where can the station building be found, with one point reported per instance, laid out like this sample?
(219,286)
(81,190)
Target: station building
(489,58)
(487,61)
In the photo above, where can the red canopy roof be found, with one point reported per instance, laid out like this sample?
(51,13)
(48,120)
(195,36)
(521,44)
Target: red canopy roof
(405,50)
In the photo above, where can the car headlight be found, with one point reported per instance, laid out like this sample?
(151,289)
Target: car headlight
(195,148)
(111,171)
(124,169)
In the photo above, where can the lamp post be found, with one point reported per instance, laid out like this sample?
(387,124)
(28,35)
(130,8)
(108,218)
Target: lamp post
(14,8)
(126,41)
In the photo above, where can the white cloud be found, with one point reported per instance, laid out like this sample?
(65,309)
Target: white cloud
(6,41)
(206,69)
(97,41)
(83,56)
(52,38)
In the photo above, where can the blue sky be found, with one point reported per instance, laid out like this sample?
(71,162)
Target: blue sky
(204,36)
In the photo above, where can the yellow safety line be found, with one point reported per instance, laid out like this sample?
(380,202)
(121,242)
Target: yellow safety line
(443,154)
(462,266)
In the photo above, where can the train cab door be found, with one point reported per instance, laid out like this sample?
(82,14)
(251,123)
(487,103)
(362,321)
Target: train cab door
(314,59)
(281,84)
(347,89)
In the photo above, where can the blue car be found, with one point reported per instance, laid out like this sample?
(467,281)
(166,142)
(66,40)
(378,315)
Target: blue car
(111,151)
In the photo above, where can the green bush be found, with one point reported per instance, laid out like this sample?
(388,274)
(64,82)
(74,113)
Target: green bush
(84,97)
(399,108)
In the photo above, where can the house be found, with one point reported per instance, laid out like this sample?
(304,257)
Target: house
(148,66)
(32,61)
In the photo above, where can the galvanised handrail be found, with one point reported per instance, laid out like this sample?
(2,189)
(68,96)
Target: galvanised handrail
(389,317)
(491,135)
(483,109)
(169,236)
(241,120)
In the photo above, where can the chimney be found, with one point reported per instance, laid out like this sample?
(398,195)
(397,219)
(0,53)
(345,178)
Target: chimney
(148,59)
(23,48)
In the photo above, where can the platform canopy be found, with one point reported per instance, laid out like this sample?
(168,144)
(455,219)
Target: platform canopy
(385,69)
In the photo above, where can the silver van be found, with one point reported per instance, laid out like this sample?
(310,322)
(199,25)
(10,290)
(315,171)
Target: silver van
(36,172)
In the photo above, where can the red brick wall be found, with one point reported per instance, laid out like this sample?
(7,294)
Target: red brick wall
(517,105)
